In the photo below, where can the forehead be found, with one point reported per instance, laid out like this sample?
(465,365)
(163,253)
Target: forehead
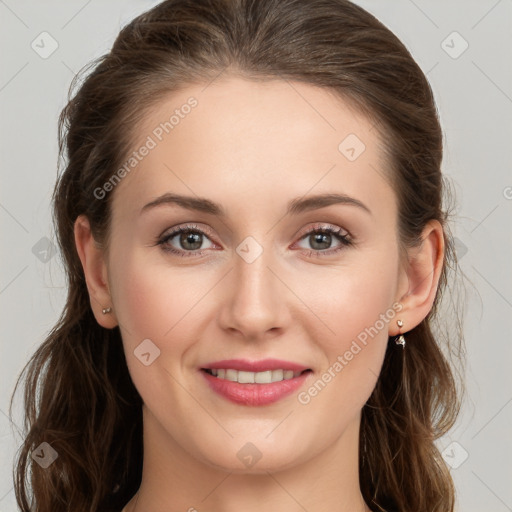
(247,140)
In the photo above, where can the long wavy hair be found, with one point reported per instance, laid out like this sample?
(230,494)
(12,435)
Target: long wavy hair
(78,394)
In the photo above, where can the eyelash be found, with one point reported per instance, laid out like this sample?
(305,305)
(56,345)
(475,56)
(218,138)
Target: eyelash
(346,240)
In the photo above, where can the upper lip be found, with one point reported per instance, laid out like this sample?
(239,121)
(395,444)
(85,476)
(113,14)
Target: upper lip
(255,366)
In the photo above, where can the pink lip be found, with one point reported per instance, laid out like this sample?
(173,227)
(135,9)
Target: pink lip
(254,394)
(255,366)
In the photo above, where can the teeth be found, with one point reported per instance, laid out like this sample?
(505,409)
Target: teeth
(255,377)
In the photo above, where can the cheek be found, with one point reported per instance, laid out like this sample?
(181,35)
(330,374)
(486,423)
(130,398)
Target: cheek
(158,303)
(358,308)
(351,300)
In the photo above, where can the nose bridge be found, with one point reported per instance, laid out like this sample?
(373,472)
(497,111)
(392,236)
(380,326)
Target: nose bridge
(255,301)
(254,280)
(252,269)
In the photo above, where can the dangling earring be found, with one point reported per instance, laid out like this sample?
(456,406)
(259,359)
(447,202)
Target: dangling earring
(400,340)
(106,310)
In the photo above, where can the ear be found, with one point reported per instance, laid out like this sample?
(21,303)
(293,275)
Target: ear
(95,271)
(420,278)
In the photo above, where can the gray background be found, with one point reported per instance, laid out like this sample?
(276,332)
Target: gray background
(474,94)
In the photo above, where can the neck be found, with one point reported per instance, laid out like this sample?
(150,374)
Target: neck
(172,478)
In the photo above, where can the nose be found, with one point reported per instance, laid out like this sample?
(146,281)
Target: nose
(255,299)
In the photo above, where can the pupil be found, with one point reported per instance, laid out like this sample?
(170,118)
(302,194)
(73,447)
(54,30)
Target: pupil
(192,238)
(321,238)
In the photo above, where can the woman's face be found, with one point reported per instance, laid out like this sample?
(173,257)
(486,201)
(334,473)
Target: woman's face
(254,279)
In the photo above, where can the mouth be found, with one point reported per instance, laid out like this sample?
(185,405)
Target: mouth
(247,377)
(255,382)
(260,388)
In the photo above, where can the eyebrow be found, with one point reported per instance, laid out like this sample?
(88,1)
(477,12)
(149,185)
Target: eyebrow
(295,206)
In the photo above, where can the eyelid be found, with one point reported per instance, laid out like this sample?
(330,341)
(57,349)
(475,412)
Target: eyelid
(192,226)
(319,226)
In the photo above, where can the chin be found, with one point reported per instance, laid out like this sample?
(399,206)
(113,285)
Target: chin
(248,459)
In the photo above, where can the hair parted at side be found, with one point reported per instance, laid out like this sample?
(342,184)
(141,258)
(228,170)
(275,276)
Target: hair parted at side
(78,394)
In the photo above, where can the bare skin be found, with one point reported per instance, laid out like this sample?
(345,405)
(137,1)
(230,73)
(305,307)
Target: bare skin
(253,147)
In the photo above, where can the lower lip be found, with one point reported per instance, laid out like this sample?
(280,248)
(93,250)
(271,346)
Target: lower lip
(255,394)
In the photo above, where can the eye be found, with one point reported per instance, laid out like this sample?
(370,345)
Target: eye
(322,236)
(189,237)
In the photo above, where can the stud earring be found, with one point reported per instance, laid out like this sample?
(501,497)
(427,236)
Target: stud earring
(400,340)
(106,310)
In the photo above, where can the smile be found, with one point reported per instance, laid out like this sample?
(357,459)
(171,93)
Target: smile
(254,388)
(244,377)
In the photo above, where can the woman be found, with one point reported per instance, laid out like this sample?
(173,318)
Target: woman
(285,359)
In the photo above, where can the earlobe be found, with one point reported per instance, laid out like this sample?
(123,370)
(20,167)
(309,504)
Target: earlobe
(423,272)
(95,271)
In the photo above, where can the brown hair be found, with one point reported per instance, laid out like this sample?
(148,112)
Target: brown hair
(79,396)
